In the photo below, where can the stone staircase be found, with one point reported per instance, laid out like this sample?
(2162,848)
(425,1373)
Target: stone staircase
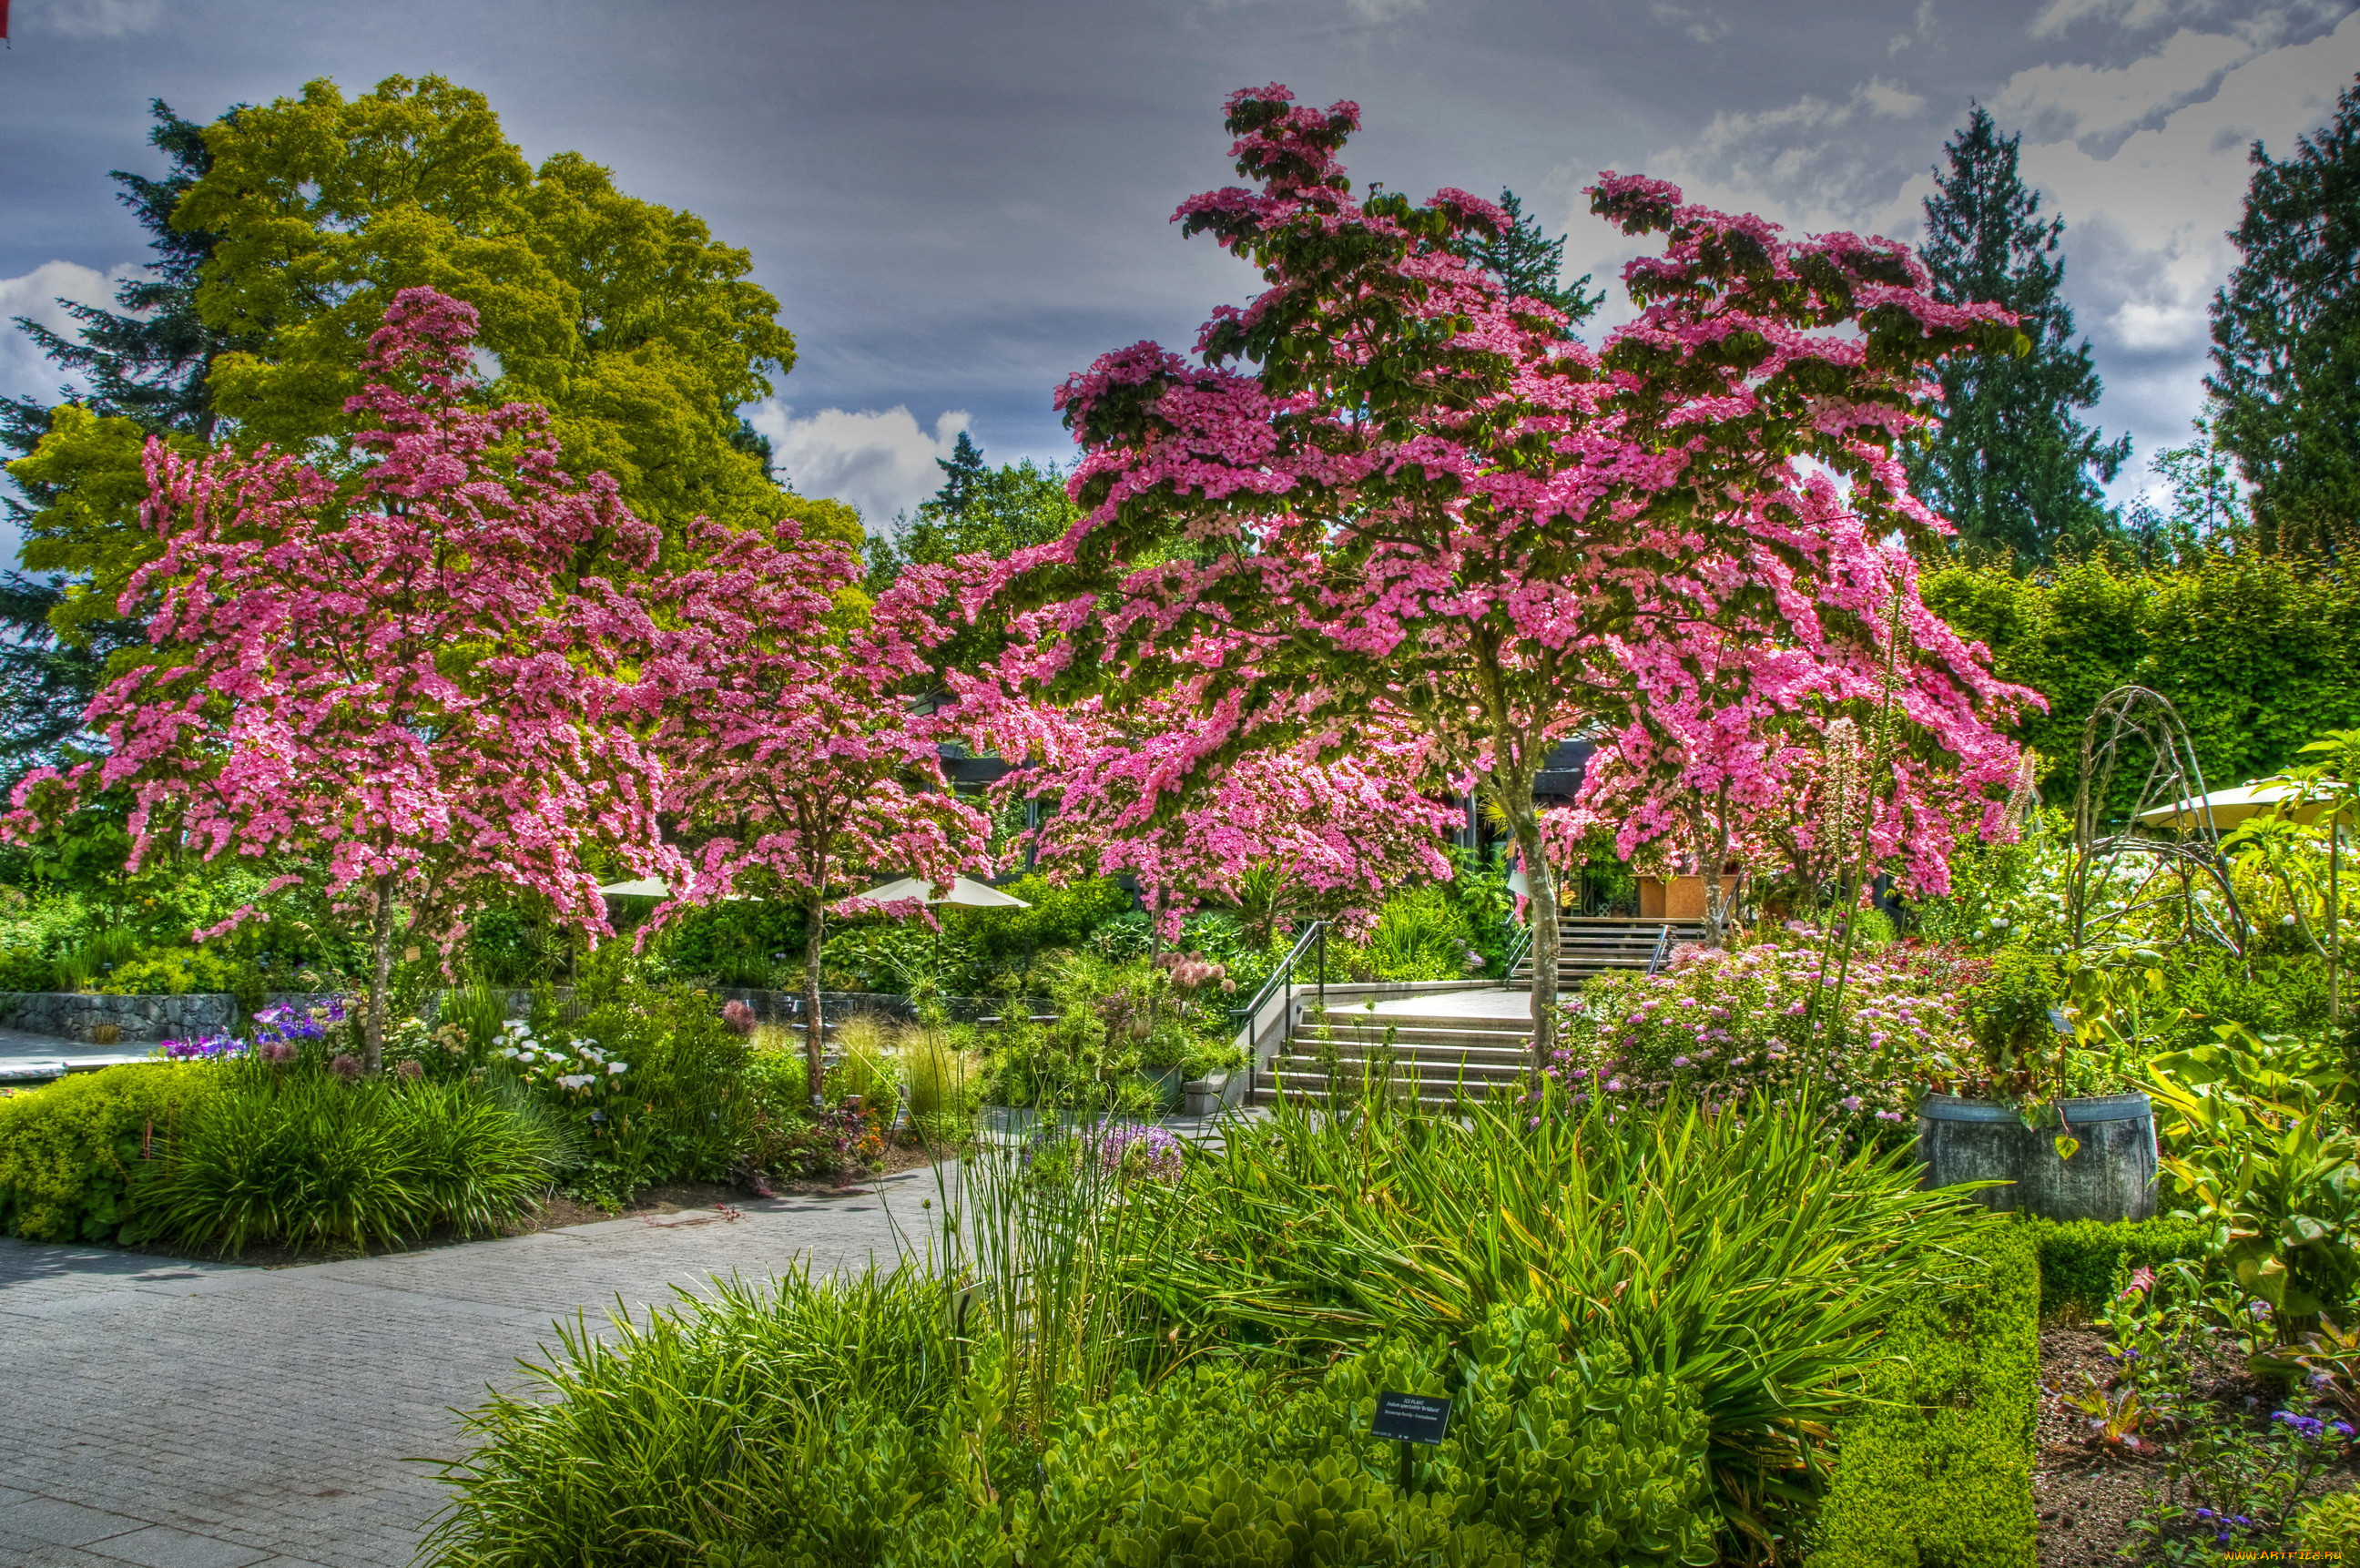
(1588,945)
(1437,1058)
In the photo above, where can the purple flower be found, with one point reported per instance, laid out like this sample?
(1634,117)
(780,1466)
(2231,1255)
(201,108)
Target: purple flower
(346,1065)
(1852,1103)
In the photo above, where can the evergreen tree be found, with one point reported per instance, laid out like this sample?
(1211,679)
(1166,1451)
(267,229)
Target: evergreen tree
(2011,465)
(2286,342)
(962,471)
(1527,261)
(150,362)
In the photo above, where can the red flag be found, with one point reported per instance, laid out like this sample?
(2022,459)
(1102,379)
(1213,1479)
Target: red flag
(4,19)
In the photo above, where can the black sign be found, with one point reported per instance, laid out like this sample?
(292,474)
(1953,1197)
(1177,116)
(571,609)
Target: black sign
(1413,1418)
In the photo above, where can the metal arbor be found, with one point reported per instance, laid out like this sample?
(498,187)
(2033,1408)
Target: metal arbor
(2127,718)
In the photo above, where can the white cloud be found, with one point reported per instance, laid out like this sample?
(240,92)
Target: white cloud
(2146,161)
(2148,215)
(22,370)
(1382,10)
(882,462)
(90,18)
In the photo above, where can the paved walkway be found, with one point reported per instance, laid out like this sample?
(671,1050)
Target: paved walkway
(38,1056)
(201,1415)
(1498,1003)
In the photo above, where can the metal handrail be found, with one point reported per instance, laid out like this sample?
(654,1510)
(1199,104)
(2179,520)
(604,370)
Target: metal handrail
(1662,949)
(1517,949)
(1314,936)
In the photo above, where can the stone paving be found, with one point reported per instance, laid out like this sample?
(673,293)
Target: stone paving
(179,1414)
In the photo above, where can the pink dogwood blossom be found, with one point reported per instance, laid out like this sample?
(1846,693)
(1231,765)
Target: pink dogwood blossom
(368,669)
(1388,492)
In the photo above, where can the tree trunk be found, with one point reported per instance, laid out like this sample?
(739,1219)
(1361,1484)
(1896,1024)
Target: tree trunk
(380,970)
(814,1027)
(1524,820)
(1713,854)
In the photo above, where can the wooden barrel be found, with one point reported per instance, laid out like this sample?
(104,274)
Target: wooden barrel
(2111,1177)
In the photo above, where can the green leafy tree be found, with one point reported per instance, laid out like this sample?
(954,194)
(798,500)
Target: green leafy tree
(1527,261)
(2010,463)
(2205,505)
(2286,341)
(628,321)
(996,511)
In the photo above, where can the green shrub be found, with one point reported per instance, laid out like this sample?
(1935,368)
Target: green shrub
(2084,1262)
(2332,1526)
(1940,1475)
(636,1431)
(1422,934)
(841,1422)
(24,969)
(304,1159)
(185,972)
(1730,1251)
(71,1153)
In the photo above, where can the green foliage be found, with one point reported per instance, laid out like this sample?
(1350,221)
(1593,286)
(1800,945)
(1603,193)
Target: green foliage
(2256,656)
(22,969)
(1060,916)
(847,1421)
(725,1399)
(1732,1253)
(2286,340)
(2331,1525)
(291,1156)
(1422,934)
(1526,261)
(745,942)
(2008,1014)
(2084,1262)
(183,971)
(2010,462)
(2263,1159)
(1940,1476)
(679,1114)
(77,1156)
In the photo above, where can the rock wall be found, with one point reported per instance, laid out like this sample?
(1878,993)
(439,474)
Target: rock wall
(72,1016)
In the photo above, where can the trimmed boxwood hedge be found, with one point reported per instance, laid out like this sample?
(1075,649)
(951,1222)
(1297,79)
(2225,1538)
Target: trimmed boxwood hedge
(2083,1260)
(1938,1470)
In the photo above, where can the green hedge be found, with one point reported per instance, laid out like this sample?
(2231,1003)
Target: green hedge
(70,1154)
(1938,1472)
(2081,1260)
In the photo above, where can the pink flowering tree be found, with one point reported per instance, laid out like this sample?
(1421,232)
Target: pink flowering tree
(797,765)
(1869,752)
(1390,490)
(1338,834)
(367,668)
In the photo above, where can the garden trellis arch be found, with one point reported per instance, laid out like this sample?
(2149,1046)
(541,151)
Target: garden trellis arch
(2125,718)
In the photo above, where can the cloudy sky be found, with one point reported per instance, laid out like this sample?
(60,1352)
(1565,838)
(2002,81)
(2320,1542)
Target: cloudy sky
(960,204)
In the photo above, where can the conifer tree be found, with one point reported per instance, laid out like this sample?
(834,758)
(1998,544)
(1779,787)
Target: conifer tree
(148,362)
(2011,463)
(2286,342)
(1525,260)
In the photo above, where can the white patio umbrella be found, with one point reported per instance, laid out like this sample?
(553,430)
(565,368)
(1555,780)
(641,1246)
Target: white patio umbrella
(964,893)
(646,887)
(2230,807)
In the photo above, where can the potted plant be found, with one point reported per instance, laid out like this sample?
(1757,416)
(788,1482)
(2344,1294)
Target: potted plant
(2036,1108)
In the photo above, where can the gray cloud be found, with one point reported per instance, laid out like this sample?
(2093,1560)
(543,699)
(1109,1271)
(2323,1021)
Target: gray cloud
(958,205)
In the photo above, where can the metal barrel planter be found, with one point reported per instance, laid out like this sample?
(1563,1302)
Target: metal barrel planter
(2110,1176)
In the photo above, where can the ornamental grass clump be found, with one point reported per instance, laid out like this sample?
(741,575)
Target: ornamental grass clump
(285,1156)
(1733,1250)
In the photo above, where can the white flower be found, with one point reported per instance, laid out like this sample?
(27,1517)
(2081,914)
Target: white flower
(612,1067)
(576,1080)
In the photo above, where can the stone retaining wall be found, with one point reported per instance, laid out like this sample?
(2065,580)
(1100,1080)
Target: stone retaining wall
(72,1015)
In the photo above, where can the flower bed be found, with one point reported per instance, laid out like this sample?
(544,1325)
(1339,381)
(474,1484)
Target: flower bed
(1718,1026)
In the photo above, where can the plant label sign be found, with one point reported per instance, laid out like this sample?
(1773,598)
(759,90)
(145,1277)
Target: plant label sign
(1413,1418)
